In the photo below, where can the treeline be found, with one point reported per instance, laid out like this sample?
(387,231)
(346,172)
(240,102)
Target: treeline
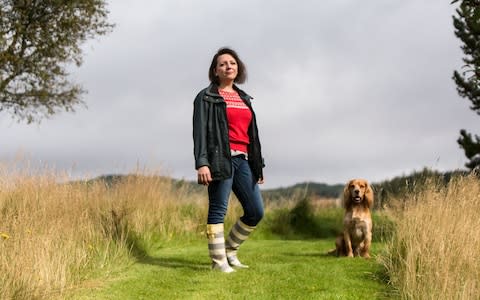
(407,184)
(384,191)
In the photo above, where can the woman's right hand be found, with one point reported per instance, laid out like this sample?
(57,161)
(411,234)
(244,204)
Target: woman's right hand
(203,175)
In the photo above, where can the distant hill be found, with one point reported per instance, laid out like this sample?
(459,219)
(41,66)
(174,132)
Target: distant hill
(383,190)
(305,189)
(112,179)
(310,189)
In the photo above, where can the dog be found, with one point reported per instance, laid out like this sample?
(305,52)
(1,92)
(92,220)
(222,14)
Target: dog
(357,221)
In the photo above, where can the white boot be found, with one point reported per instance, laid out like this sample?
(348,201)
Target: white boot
(216,248)
(239,233)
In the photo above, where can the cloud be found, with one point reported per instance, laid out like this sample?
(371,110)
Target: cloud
(341,89)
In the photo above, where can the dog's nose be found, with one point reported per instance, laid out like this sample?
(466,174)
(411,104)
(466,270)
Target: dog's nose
(357,191)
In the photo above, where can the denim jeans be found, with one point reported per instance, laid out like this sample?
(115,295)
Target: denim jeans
(245,189)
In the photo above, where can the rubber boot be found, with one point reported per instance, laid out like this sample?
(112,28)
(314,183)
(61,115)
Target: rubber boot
(216,248)
(239,233)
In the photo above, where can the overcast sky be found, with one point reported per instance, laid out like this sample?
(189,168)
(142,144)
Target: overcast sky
(341,89)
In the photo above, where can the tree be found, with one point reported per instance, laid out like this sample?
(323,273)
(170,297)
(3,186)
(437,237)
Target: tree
(467,29)
(39,39)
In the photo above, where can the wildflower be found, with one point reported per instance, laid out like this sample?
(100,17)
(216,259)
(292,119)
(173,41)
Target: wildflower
(4,235)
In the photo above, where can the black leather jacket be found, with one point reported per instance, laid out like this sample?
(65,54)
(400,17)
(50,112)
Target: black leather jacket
(210,135)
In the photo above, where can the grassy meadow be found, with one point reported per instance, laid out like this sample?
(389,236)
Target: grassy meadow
(434,253)
(143,235)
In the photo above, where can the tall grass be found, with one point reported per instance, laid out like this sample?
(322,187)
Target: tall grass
(435,250)
(55,235)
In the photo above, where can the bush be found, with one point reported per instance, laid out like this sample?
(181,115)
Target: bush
(304,222)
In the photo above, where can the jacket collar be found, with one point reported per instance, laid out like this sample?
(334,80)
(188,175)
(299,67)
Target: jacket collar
(212,90)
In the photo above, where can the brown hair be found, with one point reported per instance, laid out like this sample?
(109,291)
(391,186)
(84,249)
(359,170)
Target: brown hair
(242,71)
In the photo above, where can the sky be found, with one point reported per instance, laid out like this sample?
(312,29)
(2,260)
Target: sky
(342,89)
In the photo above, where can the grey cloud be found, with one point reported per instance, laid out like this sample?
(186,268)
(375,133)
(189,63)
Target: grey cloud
(342,89)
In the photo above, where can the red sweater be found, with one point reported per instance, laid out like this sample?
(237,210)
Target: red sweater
(239,117)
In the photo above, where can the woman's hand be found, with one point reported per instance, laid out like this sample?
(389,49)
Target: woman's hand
(203,175)
(261,180)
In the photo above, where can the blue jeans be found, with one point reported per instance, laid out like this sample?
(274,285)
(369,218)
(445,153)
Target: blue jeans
(244,187)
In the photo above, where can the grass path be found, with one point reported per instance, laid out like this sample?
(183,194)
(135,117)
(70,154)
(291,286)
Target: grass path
(278,270)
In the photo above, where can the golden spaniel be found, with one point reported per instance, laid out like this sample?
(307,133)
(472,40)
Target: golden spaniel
(357,222)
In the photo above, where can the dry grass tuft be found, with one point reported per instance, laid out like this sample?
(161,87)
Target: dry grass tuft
(55,234)
(434,254)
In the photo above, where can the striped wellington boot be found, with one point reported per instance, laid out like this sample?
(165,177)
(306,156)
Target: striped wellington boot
(239,233)
(216,248)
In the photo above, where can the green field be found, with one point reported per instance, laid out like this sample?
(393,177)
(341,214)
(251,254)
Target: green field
(144,238)
(279,269)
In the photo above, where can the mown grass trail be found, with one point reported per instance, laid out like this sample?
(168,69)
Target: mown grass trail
(279,269)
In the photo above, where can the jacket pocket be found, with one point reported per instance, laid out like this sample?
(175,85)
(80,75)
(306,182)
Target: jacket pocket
(215,160)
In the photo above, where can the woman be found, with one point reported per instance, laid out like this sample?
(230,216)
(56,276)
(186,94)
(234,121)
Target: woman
(227,156)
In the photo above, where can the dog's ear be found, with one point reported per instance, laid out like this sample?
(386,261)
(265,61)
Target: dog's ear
(369,195)
(346,195)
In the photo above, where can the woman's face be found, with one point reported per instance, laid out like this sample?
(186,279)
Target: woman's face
(227,68)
